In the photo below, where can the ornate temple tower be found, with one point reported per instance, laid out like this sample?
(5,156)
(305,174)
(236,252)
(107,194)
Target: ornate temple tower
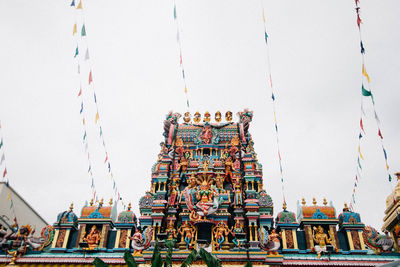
(207,185)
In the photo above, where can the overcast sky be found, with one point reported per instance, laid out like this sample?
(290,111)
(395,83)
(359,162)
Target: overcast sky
(316,69)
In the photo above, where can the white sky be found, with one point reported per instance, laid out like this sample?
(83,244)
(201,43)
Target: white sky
(316,66)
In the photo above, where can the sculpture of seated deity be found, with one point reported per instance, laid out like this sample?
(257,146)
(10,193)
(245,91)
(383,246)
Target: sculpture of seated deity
(321,239)
(93,237)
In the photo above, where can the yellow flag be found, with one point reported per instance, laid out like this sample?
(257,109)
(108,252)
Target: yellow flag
(387,166)
(79,5)
(9,195)
(185,89)
(359,151)
(83,121)
(74,30)
(364,72)
(275,116)
(97,117)
(263,16)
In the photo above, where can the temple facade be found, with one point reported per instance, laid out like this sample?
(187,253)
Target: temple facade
(206,191)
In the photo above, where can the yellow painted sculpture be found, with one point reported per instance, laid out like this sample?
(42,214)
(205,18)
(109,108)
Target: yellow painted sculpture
(93,237)
(321,239)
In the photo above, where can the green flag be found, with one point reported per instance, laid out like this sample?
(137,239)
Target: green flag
(365,92)
(83,32)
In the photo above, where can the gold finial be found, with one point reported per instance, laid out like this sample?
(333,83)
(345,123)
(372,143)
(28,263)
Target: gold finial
(314,201)
(218,116)
(346,208)
(91,202)
(101,202)
(186,117)
(303,201)
(197,117)
(284,205)
(207,117)
(228,116)
(71,207)
(129,206)
(325,202)
(111,202)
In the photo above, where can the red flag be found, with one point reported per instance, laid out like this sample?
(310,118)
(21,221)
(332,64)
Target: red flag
(361,125)
(180,59)
(90,77)
(106,158)
(80,92)
(5,172)
(356,2)
(359,21)
(356,178)
(380,134)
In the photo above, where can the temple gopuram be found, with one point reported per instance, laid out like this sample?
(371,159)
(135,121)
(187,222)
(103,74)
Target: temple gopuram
(206,191)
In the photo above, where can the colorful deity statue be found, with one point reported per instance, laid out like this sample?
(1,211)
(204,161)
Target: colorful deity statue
(93,237)
(206,134)
(171,231)
(219,185)
(183,165)
(228,170)
(238,192)
(189,193)
(238,229)
(205,196)
(221,232)
(321,239)
(173,195)
(187,232)
(273,242)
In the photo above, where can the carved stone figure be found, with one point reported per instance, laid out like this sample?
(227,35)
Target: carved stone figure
(228,170)
(221,232)
(173,195)
(93,237)
(238,193)
(187,232)
(321,240)
(273,242)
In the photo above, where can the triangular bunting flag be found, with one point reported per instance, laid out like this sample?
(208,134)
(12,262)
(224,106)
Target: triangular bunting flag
(80,92)
(362,126)
(90,77)
(97,117)
(95,98)
(359,164)
(73,3)
(81,108)
(263,16)
(1,142)
(5,172)
(362,48)
(364,91)
(74,29)
(87,54)
(379,133)
(364,72)
(83,31)
(266,37)
(3,158)
(359,21)
(79,5)
(9,195)
(384,153)
(174,12)
(76,52)
(390,178)
(106,158)
(359,151)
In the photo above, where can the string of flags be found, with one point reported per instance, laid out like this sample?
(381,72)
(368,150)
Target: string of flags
(178,39)
(366,93)
(4,178)
(80,32)
(273,97)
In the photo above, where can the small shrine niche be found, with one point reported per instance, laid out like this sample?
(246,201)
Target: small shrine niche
(95,223)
